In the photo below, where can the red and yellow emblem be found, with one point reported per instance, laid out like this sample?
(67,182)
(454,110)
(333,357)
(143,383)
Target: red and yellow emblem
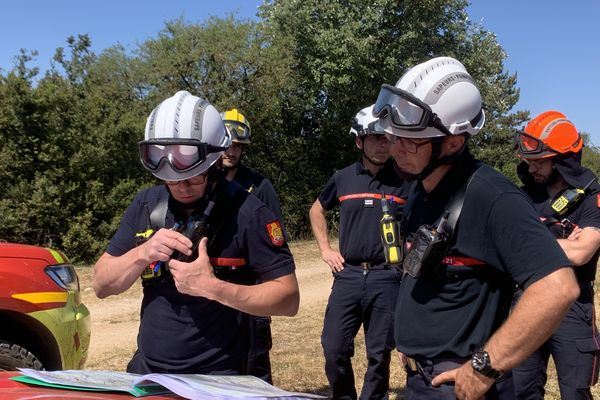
(598,200)
(275,233)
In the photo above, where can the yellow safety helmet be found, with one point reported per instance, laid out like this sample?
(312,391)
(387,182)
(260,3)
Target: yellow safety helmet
(237,125)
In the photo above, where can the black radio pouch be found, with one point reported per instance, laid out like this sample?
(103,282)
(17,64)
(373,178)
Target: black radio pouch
(195,229)
(427,251)
(431,244)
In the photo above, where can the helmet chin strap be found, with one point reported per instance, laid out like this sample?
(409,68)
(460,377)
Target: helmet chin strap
(216,173)
(376,163)
(364,155)
(435,160)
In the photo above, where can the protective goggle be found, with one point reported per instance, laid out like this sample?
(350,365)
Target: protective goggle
(528,145)
(405,111)
(373,128)
(238,130)
(181,154)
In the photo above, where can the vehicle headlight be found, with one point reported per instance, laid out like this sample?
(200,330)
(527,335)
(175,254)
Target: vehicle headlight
(64,276)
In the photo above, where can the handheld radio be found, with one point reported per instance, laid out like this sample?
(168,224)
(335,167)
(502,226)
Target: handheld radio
(569,198)
(390,236)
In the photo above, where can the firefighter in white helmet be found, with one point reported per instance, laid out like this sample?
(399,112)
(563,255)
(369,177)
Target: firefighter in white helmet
(365,285)
(198,294)
(471,234)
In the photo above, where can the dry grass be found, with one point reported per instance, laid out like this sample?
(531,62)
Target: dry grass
(296,356)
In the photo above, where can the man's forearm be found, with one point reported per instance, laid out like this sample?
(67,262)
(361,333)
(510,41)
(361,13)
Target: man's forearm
(318,223)
(534,318)
(582,249)
(114,275)
(280,296)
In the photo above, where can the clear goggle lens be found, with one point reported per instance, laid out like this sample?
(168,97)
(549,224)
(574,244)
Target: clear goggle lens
(405,111)
(238,130)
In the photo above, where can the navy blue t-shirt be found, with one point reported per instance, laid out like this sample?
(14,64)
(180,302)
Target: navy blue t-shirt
(454,310)
(186,334)
(259,186)
(358,193)
(584,214)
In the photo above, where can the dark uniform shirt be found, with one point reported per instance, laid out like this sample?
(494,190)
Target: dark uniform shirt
(359,195)
(259,186)
(584,214)
(186,334)
(455,310)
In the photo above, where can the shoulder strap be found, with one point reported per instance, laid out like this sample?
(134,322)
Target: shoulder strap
(159,212)
(455,206)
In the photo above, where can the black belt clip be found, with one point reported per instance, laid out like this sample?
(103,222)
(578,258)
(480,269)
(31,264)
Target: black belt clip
(369,266)
(413,366)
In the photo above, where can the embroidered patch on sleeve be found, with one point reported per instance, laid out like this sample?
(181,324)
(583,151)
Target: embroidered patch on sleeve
(275,233)
(598,200)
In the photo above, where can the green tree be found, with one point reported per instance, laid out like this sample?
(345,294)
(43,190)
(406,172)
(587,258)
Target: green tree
(344,50)
(69,161)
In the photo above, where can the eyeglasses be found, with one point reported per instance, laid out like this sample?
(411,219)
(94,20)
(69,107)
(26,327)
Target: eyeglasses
(195,180)
(182,154)
(408,144)
(405,111)
(536,163)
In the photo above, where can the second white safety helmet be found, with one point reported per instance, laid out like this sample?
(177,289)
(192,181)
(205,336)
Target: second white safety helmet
(364,123)
(433,99)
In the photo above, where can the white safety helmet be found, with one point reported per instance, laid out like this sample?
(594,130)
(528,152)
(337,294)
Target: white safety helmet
(184,137)
(364,123)
(434,99)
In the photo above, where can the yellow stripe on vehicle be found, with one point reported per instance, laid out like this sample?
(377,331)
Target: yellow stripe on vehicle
(42,297)
(57,256)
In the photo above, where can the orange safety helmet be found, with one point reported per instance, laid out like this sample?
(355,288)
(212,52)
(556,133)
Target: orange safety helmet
(548,135)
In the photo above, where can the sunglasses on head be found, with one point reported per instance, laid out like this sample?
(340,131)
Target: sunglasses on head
(181,154)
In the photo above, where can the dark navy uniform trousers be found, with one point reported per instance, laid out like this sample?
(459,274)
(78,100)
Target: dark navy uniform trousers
(360,297)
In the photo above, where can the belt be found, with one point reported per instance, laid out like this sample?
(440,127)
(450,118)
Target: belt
(369,266)
(424,366)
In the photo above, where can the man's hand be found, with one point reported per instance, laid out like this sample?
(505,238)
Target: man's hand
(334,259)
(195,278)
(468,384)
(163,243)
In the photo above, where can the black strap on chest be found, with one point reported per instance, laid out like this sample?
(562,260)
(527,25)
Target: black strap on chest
(158,215)
(454,208)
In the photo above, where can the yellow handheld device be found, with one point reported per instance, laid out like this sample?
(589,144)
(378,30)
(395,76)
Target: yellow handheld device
(390,238)
(569,198)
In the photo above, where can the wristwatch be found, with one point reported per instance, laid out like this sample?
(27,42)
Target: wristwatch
(480,361)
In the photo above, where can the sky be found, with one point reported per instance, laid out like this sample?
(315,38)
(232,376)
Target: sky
(552,45)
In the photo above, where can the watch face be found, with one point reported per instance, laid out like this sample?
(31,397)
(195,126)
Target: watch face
(480,360)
